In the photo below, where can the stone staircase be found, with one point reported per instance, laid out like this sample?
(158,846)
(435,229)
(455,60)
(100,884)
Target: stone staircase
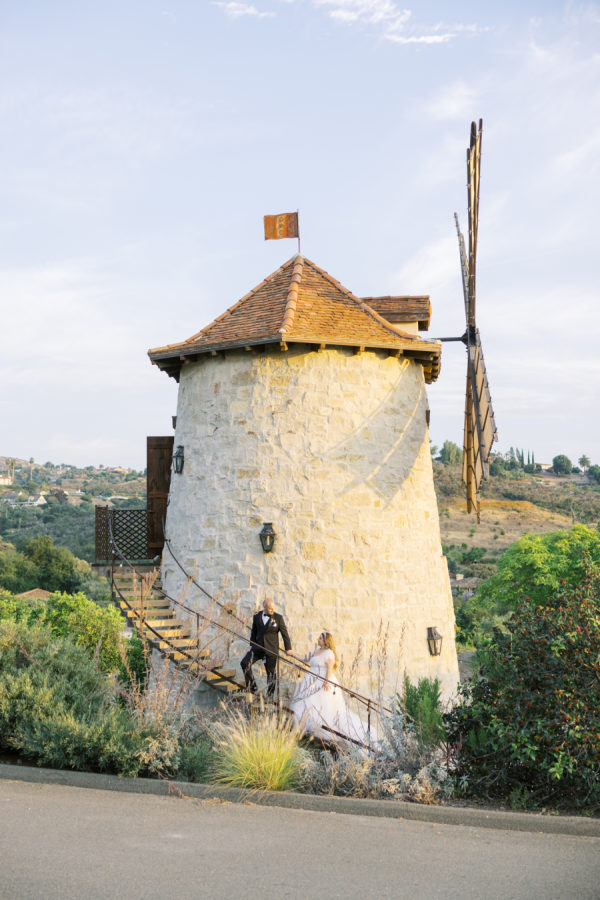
(137,595)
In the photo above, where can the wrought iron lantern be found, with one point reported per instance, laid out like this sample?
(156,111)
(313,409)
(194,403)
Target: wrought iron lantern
(178,460)
(434,641)
(267,537)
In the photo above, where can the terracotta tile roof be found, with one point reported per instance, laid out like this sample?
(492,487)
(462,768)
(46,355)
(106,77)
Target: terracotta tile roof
(35,594)
(301,303)
(402,309)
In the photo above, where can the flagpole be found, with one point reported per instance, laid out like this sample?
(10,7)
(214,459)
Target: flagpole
(298,221)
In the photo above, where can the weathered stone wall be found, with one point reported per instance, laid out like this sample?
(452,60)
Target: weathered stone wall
(332,447)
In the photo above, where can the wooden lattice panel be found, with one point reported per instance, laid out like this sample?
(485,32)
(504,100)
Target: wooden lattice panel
(130,533)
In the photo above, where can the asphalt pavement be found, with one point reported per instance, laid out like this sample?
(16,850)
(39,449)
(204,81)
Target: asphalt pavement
(60,841)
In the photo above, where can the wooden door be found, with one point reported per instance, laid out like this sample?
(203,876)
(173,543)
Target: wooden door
(159,453)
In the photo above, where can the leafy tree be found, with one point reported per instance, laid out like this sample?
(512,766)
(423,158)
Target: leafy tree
(56,566)
(536,564)
(90,626)
(475,554)
(528,723)
(562,465)
(584,462)
(594,473)
(450,454)
(40,564)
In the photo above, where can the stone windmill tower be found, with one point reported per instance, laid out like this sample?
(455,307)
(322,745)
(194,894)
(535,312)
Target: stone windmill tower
(304,407)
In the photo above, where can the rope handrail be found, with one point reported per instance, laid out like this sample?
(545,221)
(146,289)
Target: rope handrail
(200,588)
(146,624)
(366,701)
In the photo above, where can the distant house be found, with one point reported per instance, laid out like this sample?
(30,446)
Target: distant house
(35,594)
(5,479)
(11,498)
(36,500)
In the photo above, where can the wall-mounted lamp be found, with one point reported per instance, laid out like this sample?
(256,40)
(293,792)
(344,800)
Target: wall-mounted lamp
(434,641)
(267,537)
(178,460)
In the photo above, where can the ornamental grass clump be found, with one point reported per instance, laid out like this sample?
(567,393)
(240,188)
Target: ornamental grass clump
(260,753)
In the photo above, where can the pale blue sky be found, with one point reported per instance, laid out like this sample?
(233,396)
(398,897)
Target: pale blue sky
(143,141)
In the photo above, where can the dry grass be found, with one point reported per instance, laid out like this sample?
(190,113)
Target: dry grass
(502,523)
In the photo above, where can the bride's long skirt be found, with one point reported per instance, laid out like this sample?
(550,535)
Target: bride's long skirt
(325,714)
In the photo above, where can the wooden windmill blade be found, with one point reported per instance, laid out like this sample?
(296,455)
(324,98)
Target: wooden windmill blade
(473,169)
(480,428)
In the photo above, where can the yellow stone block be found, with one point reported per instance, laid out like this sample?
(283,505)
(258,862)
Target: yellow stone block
(312,550)
(325,596)
(353,567)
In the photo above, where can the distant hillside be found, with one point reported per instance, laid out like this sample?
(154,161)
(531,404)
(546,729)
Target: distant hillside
(78,483)
(59,500)
(514,503)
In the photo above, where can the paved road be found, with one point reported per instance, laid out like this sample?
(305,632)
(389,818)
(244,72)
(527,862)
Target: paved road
(67,842)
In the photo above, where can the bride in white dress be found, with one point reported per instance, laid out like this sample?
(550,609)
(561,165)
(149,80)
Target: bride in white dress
(319,706)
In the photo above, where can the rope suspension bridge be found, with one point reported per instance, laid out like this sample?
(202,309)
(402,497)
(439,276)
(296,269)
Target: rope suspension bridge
(174,629)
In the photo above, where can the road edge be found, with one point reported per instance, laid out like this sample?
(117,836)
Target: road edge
(394,809)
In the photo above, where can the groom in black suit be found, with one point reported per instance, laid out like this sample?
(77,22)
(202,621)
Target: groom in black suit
(267,625)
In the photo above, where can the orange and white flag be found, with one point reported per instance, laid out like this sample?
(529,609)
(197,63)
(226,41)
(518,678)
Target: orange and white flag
(284,225)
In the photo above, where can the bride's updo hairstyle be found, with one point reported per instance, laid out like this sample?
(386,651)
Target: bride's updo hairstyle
(329,645)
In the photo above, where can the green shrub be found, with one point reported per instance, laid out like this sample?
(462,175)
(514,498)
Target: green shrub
(106,743)
(58,709)
(75,616)
(529,721)
(88,624)
(71,668)
(134,668)
(422,706)
(196,761)
(13,608)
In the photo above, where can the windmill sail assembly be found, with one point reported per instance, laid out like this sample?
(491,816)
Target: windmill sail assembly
(479,428)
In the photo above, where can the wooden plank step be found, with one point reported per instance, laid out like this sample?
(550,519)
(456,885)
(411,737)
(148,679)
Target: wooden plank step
(136,609)
(167,632)
(204,662)
(138,618)
(220,674)
(153,613)
(184,644)
(160,623)
(135,585)
(134,597)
